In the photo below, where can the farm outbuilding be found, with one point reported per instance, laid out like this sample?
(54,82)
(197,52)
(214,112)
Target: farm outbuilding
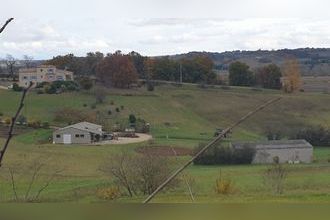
(81,133)
(287,151)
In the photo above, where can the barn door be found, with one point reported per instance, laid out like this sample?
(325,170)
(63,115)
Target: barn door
(67,139)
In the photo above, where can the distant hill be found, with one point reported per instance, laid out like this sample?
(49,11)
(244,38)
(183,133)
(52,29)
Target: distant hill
(314,61)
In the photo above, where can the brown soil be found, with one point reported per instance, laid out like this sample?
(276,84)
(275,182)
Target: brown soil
(164,151)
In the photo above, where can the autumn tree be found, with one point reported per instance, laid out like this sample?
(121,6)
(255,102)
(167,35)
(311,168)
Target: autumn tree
(292,78)
(240,74)
(269,77)
(138,61)
(91,61)
(117,70)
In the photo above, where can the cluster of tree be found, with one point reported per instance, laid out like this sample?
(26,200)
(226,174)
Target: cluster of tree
(122,70)
(317,136)
(222,155)
(194,70)
(268,76)
(12,65)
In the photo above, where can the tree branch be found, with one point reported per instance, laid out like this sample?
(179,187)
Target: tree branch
(13,122)
(5,25)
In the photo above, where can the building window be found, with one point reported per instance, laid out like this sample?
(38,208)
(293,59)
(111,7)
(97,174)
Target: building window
(58,136)
(82,136)
(25,77)
(34,77)
(41,70)
(60,78)
(77,135)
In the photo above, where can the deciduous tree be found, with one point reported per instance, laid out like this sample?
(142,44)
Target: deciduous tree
(292,77)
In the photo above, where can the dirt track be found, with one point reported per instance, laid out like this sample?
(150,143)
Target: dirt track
(121,140)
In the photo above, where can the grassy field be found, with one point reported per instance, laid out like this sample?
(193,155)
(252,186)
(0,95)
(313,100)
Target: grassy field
(179,117)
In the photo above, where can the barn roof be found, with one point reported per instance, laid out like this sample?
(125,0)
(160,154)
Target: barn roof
(281,144)
(86,126)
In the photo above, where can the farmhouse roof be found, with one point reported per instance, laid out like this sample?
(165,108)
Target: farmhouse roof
(86,126)
(281,144)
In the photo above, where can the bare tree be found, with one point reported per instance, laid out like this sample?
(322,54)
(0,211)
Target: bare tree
(28,181)
(5,25)
(11,65)
(13,122)
(275,176)
(28,61)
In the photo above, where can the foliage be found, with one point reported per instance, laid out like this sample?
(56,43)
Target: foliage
(292,78)
(218,155)
(117,70)
(109,193)
(85,83)
(34,124)
(58,87)
(17,88)
(132,119)
(240,74)
(7,121)
(269,77)
(223,185)
(317,136)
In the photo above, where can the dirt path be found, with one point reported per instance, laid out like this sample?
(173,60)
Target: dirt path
(121,140)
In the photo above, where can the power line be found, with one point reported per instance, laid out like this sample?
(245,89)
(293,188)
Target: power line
(214,141)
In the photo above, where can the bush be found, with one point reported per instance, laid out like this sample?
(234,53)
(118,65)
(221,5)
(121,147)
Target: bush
(34,124)
(85,83)
(109,112)
(110,193)
(223,155)
(318,136)
(17,88)
(7,121)
(45,125)
(150,87)
(117,110)
(40,91)
(93,106)
(122,107)
(1,114)
(223,186)
(132,119)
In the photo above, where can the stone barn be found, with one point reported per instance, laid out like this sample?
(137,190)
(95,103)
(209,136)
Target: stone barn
(287,151)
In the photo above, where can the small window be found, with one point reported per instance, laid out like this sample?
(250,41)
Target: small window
(58,136)
(82,136)
(77,135)
(25,77)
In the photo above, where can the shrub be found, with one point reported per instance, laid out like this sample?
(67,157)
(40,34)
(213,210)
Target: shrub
(40,91)
(93,106)
(85,83)
(109,112)
(318,136)
(150,87)
(1,114)
(117,110)
(45,125)
(112,102)
(132,119)
(7,121)
(122,107)
(222,155)
(34,124)
(17,88)
(275,176)
(223,186)
(110,193)
(85,105)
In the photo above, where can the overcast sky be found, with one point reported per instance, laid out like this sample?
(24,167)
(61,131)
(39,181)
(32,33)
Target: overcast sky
(45,28)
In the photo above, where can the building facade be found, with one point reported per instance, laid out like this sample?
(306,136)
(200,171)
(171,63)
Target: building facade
(44,73)
(81,133)
(286,151)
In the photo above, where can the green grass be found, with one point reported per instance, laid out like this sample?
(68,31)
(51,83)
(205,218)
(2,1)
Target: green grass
(179,117)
